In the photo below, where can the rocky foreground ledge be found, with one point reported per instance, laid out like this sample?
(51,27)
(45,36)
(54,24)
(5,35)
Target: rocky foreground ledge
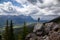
(46,31)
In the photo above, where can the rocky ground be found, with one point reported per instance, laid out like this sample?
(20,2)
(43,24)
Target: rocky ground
(45,31)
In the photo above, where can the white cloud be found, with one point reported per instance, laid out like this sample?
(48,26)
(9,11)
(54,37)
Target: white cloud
(21,1)
(46,10)
(48,7)
(7,9)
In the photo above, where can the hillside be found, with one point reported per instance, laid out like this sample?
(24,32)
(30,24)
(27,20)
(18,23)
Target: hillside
(47,31)
(17,20)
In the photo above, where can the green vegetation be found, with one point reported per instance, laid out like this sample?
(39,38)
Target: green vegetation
(24,32)
(6,33)
(11,32)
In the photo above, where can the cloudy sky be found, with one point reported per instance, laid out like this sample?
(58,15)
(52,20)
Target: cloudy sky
(33,8)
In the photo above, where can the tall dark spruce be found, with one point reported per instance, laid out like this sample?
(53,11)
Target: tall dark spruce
(25,31)
(6,33)
(11,36)
(0,37)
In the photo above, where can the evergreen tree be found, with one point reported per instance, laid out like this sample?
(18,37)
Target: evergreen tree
(25,31)
(22,35)
(6,33)
(0,37)
(11,34)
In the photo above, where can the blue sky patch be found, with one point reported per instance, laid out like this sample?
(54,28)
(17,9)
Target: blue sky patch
(13,2)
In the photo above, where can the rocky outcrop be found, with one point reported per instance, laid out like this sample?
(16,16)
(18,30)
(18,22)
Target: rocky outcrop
(45,31)
(37,27)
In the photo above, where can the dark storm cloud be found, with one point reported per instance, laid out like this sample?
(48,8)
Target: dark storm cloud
(41,1)
(34,12)
(57,11)
(58,0)
(35,1)
(32,1)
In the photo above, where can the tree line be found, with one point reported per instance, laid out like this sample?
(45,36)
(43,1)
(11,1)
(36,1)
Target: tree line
(9,32)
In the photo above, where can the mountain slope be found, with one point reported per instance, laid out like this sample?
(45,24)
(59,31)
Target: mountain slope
(17,20)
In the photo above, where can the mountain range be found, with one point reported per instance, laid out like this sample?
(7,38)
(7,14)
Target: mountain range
(18,20)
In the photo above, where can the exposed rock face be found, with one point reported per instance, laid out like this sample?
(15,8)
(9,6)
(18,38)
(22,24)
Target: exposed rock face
(45,31)
(31,36)
(37,27)
(54,36)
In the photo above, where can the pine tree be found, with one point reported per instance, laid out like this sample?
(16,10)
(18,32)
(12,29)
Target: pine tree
(0,37)
(11,34)
(25,31)
(6,33)
(22,35)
